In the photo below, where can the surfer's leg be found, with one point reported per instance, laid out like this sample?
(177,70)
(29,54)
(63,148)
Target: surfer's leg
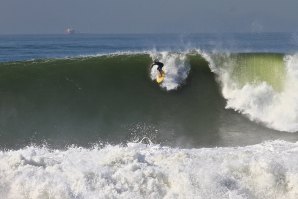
(159,68)
(160,71)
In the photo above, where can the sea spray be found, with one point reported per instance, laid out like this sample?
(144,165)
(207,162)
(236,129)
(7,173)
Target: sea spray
(176,68)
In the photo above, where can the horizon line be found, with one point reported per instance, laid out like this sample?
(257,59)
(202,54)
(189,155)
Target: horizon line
(148,33)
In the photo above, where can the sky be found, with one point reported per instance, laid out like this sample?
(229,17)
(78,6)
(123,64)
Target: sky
(147,16)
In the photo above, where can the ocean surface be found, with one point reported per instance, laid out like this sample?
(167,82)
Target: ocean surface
(81,116)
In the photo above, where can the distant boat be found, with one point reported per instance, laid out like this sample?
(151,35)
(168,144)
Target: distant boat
(69,31)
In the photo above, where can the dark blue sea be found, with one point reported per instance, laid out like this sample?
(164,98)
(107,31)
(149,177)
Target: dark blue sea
(28,47)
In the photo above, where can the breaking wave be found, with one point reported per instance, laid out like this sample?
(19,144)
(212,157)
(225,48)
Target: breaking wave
(261,86)
(108,95)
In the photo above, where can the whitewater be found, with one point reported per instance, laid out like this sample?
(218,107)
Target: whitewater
(267,170)
(261,102)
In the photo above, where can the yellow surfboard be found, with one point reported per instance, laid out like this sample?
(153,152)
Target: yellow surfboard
(160,78)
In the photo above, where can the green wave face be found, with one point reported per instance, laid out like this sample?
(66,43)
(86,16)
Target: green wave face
(112,98)
(109,98)
(256,68)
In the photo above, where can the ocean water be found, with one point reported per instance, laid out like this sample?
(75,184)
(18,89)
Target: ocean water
(81,116)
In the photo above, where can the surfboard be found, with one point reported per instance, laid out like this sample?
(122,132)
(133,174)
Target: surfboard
(160,78)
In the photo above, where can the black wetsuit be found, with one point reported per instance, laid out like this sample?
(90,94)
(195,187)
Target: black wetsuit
(159,65)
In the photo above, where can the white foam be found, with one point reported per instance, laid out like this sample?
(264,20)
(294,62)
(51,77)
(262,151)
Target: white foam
(277,110)
(267,170)
(176,68)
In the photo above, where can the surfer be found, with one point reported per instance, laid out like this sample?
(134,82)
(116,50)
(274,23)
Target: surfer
(159,66)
